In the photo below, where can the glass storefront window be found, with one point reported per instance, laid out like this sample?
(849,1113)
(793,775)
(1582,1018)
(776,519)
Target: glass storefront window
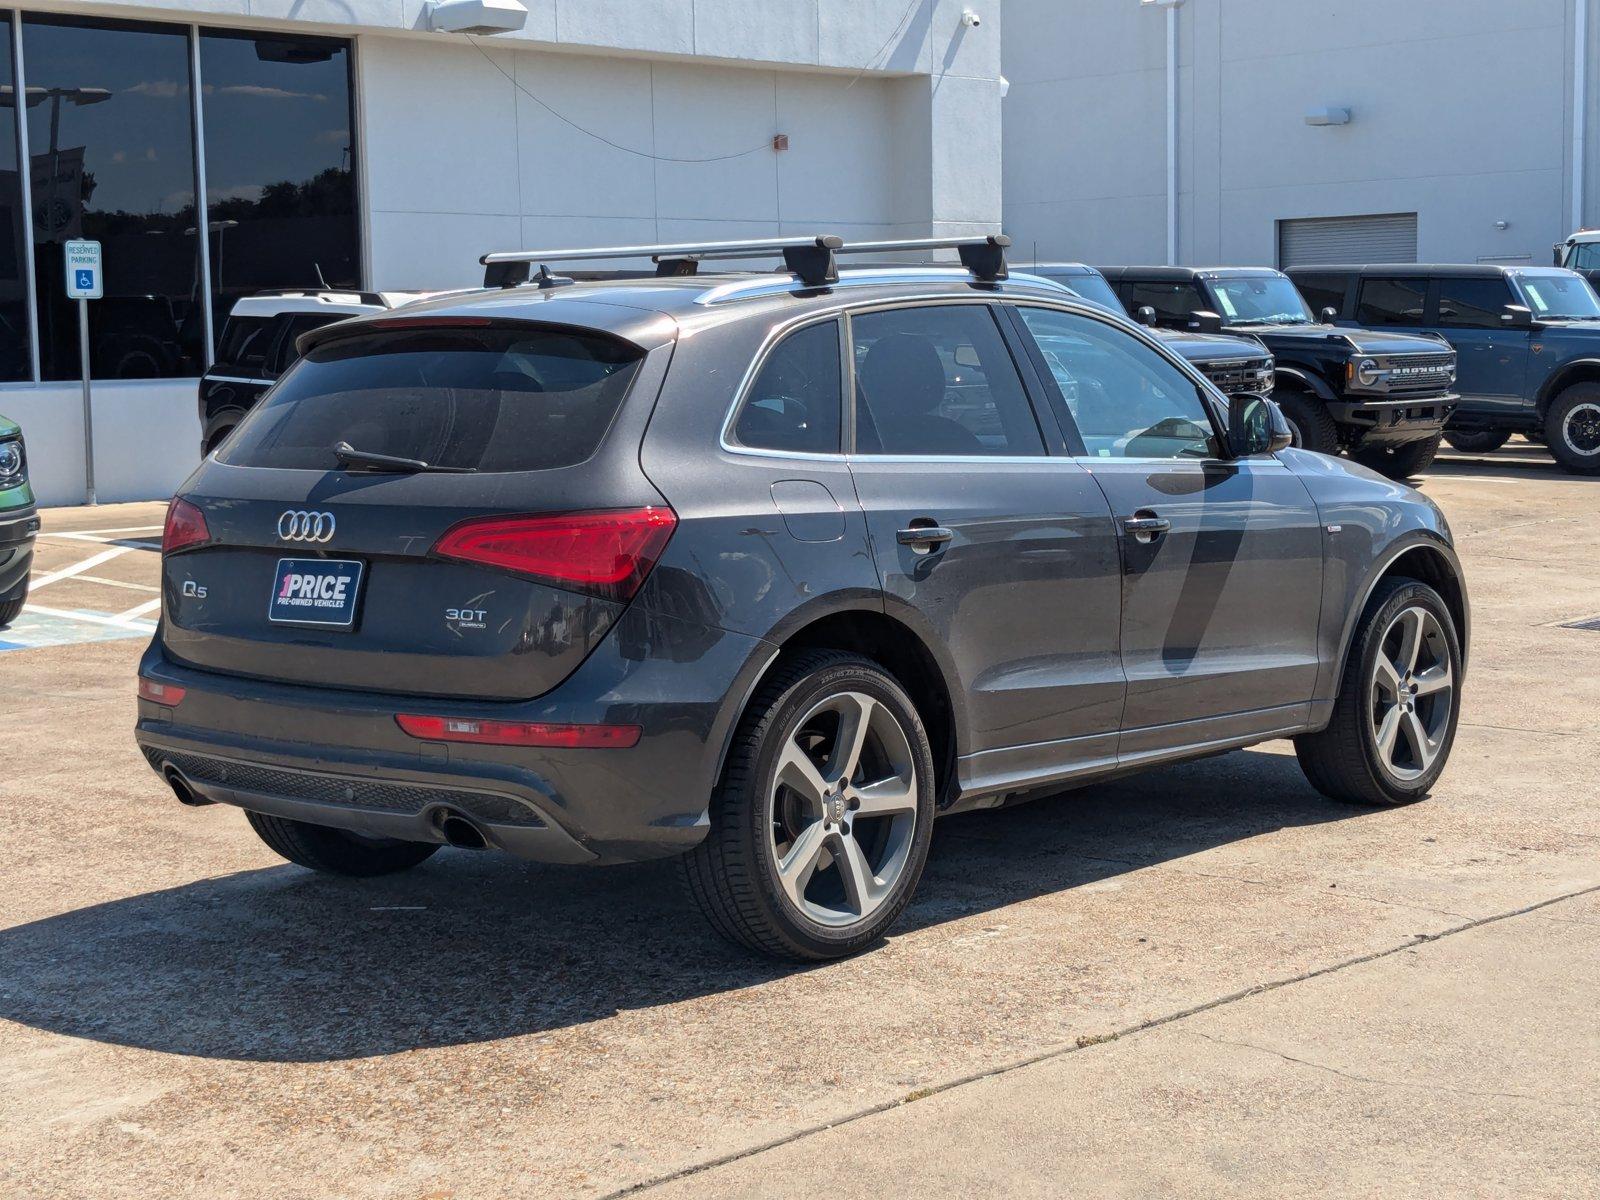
(280,165)
(111,143)
(14,355)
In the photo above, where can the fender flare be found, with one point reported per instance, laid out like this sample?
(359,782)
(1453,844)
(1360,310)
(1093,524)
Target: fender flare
(1313,383)
(1570,372)
(1379,570)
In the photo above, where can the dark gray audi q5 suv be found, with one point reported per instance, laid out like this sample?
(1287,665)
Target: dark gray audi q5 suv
(768,570)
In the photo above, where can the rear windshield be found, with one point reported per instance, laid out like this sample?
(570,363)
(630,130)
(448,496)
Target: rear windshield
(495,399)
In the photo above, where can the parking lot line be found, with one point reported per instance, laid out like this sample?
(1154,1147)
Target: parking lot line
(121,583)
(138,610)
(124,621)
(78,568)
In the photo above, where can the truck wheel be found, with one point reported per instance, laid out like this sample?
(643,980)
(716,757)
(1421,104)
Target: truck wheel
(10,610)
(1395,717)
(821,824)
(335,852)
(1400,462)
(1309,421)
(1476,441)
(1572,429)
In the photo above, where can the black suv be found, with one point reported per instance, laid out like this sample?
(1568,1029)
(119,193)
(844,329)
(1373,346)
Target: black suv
(767,571)
(1235,364)
(1527,341)
(1382,397)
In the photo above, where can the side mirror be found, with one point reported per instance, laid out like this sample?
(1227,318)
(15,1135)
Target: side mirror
(1556,252)
(1256,425)
(1329,315)
(1145,315)
(1517,316)
(1205,321)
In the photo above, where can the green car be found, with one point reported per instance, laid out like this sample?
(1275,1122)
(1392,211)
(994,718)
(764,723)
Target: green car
(19,523)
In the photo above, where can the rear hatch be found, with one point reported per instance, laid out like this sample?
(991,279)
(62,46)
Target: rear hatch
(490,574)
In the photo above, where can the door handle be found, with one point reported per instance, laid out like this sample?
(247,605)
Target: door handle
(1145,526)
(924,537)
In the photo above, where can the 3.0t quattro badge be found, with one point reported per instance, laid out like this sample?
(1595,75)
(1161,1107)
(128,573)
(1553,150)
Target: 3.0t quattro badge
(297,525)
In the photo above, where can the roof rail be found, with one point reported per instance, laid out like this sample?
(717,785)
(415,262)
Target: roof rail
(812,258)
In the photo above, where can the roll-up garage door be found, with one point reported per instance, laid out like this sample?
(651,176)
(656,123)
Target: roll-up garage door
(1382,238)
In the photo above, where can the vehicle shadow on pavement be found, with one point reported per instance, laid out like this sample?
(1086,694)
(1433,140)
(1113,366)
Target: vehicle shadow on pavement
(279,965)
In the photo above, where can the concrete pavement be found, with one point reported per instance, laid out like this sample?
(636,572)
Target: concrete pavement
(182,1014)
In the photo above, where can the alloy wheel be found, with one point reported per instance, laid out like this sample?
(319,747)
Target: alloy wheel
(1411,694)
(842,809)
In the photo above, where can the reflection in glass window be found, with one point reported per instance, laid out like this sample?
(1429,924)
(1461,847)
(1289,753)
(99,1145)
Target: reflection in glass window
(1126,400)
(13,252)
(280,165)
(1473,303)
(111,137)
(1391,301)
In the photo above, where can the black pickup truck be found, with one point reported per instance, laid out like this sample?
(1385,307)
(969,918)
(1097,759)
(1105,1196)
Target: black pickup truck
(1381,397)
(1234,364)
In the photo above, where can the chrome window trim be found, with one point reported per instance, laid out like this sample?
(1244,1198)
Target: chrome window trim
(1069,302)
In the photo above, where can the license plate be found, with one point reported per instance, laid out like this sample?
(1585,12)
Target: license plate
(315,591)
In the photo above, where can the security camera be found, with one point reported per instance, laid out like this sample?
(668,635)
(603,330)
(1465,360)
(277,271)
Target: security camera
(970,19)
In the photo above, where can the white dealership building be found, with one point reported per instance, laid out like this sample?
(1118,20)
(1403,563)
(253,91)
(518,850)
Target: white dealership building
(356,142)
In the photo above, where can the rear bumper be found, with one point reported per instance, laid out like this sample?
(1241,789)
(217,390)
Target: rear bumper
(19,529)
(337,758)
(1379,420)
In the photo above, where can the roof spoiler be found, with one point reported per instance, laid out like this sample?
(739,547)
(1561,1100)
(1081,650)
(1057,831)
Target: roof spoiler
(813,260)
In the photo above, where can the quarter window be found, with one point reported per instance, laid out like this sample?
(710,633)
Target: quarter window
(794,402)
(1391,301)
(1126,400)
(938,380)
(1473,303)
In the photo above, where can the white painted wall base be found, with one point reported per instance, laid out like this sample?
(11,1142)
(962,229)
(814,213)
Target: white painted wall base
(146,433)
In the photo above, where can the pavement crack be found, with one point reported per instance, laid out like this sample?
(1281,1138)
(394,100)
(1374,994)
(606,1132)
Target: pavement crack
(1082,1044)
(1386,1083)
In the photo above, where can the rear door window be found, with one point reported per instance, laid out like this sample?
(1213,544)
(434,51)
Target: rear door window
(939,380)
(794,403)
(1173,302)
(503,398)
(1391,301)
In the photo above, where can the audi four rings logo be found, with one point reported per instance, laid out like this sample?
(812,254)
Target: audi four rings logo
(299,526)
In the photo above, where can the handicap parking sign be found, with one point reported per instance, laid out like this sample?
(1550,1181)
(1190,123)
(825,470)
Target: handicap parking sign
(85,280)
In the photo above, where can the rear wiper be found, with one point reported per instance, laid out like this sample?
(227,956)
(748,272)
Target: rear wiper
(348,458)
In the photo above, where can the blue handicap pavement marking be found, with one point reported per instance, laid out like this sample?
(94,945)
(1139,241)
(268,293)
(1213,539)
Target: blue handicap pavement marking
(33,630)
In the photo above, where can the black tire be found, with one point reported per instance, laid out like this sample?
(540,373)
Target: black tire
(335,852)
(733,875)
(216,438)
(1572,429)
(10,610)
(1476,441)
(1342,761)
(1403,461)
(1310,422)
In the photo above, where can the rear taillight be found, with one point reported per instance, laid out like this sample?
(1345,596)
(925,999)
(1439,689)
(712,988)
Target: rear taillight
(185,528)
(606,553)
(161,693)
(518,733)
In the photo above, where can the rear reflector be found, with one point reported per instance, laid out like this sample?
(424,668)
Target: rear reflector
(161,693)
(186,527)
(606,553)
(518,733)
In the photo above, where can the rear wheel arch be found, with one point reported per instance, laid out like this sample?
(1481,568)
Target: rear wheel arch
(897,648)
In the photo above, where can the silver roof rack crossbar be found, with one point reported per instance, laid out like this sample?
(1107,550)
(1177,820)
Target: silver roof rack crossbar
(812,258)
